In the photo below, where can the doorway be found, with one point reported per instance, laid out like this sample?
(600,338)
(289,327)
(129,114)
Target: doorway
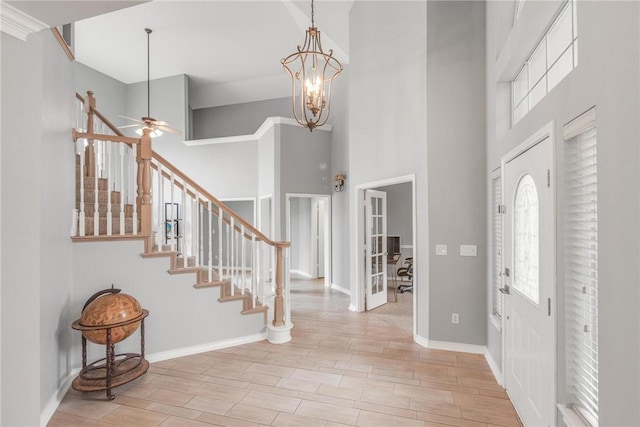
(400,232)
(308,228)
(529,338)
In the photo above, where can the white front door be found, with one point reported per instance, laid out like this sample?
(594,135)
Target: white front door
(376,248)
(529,276)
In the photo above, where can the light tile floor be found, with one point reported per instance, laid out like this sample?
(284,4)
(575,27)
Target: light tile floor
(340,369)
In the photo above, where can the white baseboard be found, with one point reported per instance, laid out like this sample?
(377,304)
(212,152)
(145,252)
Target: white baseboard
(353,308)
(495,368)
(340,289)
(53,403)
(217,345)
(455,346)
(301,274)
(421,340)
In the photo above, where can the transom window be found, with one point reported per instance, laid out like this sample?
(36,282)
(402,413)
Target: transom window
(551,61)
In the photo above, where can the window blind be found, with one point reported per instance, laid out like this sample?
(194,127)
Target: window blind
(581,266)
(497,244)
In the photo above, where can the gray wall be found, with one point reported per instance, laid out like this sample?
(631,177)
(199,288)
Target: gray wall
(237,119)
(457,173)
(197,320)
(340,272)
(388,116)
(110,93)
(606,76)
(37,175)
(304,164)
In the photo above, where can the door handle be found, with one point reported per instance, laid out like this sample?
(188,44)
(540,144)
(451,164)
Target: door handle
(505,290)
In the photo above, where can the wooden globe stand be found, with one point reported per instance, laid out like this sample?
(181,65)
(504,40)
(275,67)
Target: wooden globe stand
(115,369)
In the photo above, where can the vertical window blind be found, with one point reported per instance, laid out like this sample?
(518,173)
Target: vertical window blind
(497,244)
(581,266)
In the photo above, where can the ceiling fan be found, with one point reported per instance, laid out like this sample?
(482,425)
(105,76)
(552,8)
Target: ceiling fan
(157,126)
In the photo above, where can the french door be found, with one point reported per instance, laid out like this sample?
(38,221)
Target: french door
(376,248)
(529,282)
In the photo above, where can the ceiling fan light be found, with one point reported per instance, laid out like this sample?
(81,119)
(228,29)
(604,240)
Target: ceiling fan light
(153,134)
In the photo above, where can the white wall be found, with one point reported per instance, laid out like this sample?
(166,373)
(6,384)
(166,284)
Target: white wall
(399,216)
(37,200)
(606,76)
(388,116)
(300,238)
(456,128)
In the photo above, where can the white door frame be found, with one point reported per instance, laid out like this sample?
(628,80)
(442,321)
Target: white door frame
(357,300)
(546,132)
(327,227)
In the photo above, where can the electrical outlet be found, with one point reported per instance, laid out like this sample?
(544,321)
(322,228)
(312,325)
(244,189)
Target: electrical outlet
(454,318)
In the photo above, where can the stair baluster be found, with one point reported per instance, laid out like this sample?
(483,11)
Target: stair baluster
(210,245)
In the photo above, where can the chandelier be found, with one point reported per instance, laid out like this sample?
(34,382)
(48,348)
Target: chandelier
(312,72)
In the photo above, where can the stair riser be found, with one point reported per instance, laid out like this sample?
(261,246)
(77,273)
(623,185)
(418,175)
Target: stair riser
(90,197)
(115,226)
(90,183)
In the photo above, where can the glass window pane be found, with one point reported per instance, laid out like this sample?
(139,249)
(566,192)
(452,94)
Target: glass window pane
(560,69)
(560,35)
(520,87)
(538,92)
(537,64)
(520,111)
(525,239)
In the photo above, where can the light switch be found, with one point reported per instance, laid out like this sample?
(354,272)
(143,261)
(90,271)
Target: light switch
(468,250)
(441,249)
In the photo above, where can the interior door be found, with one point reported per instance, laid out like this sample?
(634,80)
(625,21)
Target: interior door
(529,278)
(375,248)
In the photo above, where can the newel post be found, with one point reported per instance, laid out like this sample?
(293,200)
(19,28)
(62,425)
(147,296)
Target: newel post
(89,158)
(279,331)
(143,201)
(278,302)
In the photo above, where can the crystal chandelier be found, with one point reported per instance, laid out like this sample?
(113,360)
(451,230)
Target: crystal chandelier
(312,72)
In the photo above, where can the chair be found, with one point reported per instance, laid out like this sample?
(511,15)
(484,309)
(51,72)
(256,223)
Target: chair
(406,271)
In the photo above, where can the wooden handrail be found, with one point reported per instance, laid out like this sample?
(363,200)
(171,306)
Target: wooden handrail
(259,235)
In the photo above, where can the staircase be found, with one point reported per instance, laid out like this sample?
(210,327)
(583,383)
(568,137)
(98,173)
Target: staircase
(115,179)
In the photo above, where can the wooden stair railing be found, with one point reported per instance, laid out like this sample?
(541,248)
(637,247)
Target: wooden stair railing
(146,168)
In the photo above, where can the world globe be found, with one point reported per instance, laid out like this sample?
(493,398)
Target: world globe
(108,311)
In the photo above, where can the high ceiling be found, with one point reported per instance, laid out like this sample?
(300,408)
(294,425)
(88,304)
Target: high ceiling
(213,42)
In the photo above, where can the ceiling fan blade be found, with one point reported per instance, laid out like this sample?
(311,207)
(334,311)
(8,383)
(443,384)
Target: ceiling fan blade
(130,126)
(160,123)
(169,129)
(131,118)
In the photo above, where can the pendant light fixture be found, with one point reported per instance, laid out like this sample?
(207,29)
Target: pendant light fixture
(312,72)
(157,126)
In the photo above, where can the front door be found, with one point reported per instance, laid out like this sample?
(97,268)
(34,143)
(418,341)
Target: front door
(376,248)
(529,275)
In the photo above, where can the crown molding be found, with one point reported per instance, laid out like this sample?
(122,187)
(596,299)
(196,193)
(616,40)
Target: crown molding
(264,127)
(17,23)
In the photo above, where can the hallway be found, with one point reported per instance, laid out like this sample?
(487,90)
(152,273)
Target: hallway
(340,369)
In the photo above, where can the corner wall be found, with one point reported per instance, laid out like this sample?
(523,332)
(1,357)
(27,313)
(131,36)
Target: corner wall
(456,129)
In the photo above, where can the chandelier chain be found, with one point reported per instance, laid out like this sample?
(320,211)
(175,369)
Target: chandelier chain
(312,15)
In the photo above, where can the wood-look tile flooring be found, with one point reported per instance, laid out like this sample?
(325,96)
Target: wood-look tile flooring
(340,369)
